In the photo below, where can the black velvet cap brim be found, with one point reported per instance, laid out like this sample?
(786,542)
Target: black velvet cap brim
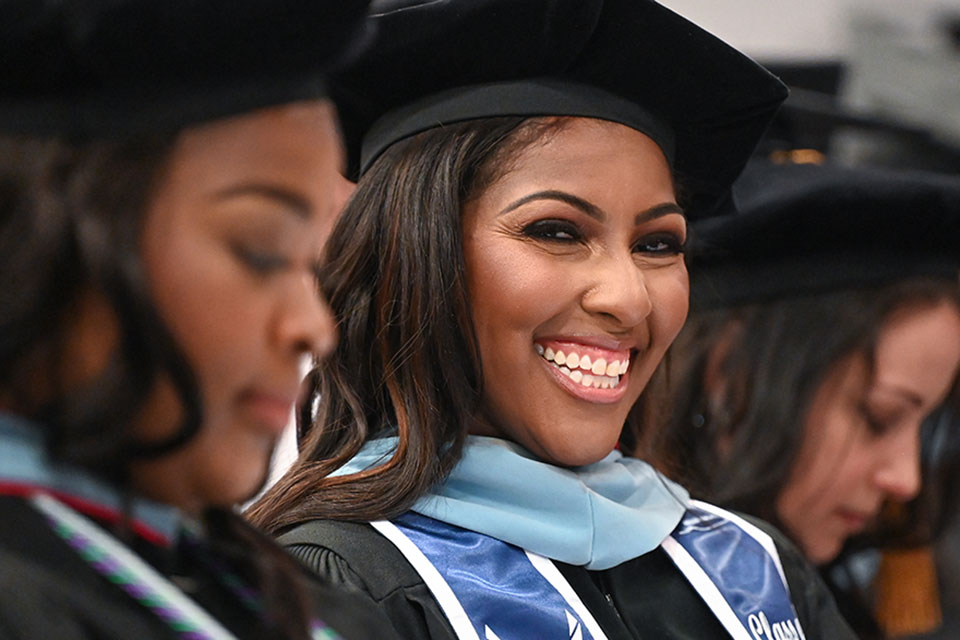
(714,101)
(122,67)
(806,229)
(524,97)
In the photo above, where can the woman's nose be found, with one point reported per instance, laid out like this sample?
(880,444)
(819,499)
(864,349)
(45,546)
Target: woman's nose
(898,474)
(306,324)
(618,290)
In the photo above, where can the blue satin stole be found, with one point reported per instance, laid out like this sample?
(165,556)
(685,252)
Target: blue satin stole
(735,568)
(491,590)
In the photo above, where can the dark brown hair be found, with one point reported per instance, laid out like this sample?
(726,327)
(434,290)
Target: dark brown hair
(407,363)
(775,356)
(70,227)
(70,224)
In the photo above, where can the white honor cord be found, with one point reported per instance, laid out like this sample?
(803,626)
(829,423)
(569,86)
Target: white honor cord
(171,597)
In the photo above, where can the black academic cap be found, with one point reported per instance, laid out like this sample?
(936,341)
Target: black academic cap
(631,61)
(804,229)
(111,67)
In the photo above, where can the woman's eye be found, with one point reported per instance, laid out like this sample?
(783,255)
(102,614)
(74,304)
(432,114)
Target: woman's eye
(660,244)
(555,230)
(262,262)
(876,425)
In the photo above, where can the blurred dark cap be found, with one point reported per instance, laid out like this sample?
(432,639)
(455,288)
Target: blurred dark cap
(805,229)
(92,68)
(437,62)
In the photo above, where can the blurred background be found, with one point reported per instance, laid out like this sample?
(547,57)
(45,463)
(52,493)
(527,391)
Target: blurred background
(874,81)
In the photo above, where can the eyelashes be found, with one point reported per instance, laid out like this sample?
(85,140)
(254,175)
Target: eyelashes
(554,230)
(560,231)
(260,262)
(263,263)
(875,424)
(662,244)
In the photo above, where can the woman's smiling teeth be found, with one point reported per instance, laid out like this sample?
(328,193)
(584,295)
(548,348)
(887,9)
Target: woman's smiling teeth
(597,373)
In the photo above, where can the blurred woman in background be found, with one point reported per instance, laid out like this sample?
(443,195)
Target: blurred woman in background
(825,328)
(167,179)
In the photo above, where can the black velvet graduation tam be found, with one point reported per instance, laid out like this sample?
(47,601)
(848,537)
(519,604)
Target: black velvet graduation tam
(104,67)
(437,62)
(803,229)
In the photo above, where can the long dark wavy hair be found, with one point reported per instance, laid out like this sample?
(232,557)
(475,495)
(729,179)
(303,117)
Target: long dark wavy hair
(407,363)
(776,355)
(71,215)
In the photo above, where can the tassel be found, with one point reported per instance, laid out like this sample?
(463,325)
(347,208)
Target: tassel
(907,594)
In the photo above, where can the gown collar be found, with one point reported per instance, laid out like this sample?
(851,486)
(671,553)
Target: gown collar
(596,516)
(26,468)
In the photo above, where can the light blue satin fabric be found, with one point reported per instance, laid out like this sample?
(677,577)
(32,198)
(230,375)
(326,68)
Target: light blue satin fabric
(596,516)
(24,460)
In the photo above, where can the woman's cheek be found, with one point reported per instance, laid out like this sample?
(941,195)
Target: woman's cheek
(672,304)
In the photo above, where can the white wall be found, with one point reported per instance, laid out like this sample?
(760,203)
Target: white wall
(799,29)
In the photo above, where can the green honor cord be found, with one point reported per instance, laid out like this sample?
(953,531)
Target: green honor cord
(143,583)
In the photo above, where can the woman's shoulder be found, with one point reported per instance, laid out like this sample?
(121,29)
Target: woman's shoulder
(351,554)
(46,591)
(815,605)
(800,574)
(355,557)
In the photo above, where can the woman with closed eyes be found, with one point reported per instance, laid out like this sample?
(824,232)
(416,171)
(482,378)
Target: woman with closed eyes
(168,175)
(825,329)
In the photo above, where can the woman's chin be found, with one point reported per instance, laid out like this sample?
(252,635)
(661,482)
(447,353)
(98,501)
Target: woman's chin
(822,552)
(564,455)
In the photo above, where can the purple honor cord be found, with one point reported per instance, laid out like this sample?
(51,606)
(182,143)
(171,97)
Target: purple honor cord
(125,569)
(118,564)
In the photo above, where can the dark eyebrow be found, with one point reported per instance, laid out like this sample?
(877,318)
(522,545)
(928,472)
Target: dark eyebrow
(656,211)
(293,203)
(551,194)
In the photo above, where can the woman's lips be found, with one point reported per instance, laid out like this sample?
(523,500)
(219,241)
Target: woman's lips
(589,383)
(270,409)
(854,520)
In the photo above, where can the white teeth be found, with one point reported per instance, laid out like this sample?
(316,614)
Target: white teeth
(597,374)
(590,380)
(599,367)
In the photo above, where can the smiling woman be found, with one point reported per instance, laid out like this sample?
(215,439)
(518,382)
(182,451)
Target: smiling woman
(163,206)
(508,276)
(575,270)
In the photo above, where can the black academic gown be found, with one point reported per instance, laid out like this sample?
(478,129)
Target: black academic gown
(644,598)
(48,591)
